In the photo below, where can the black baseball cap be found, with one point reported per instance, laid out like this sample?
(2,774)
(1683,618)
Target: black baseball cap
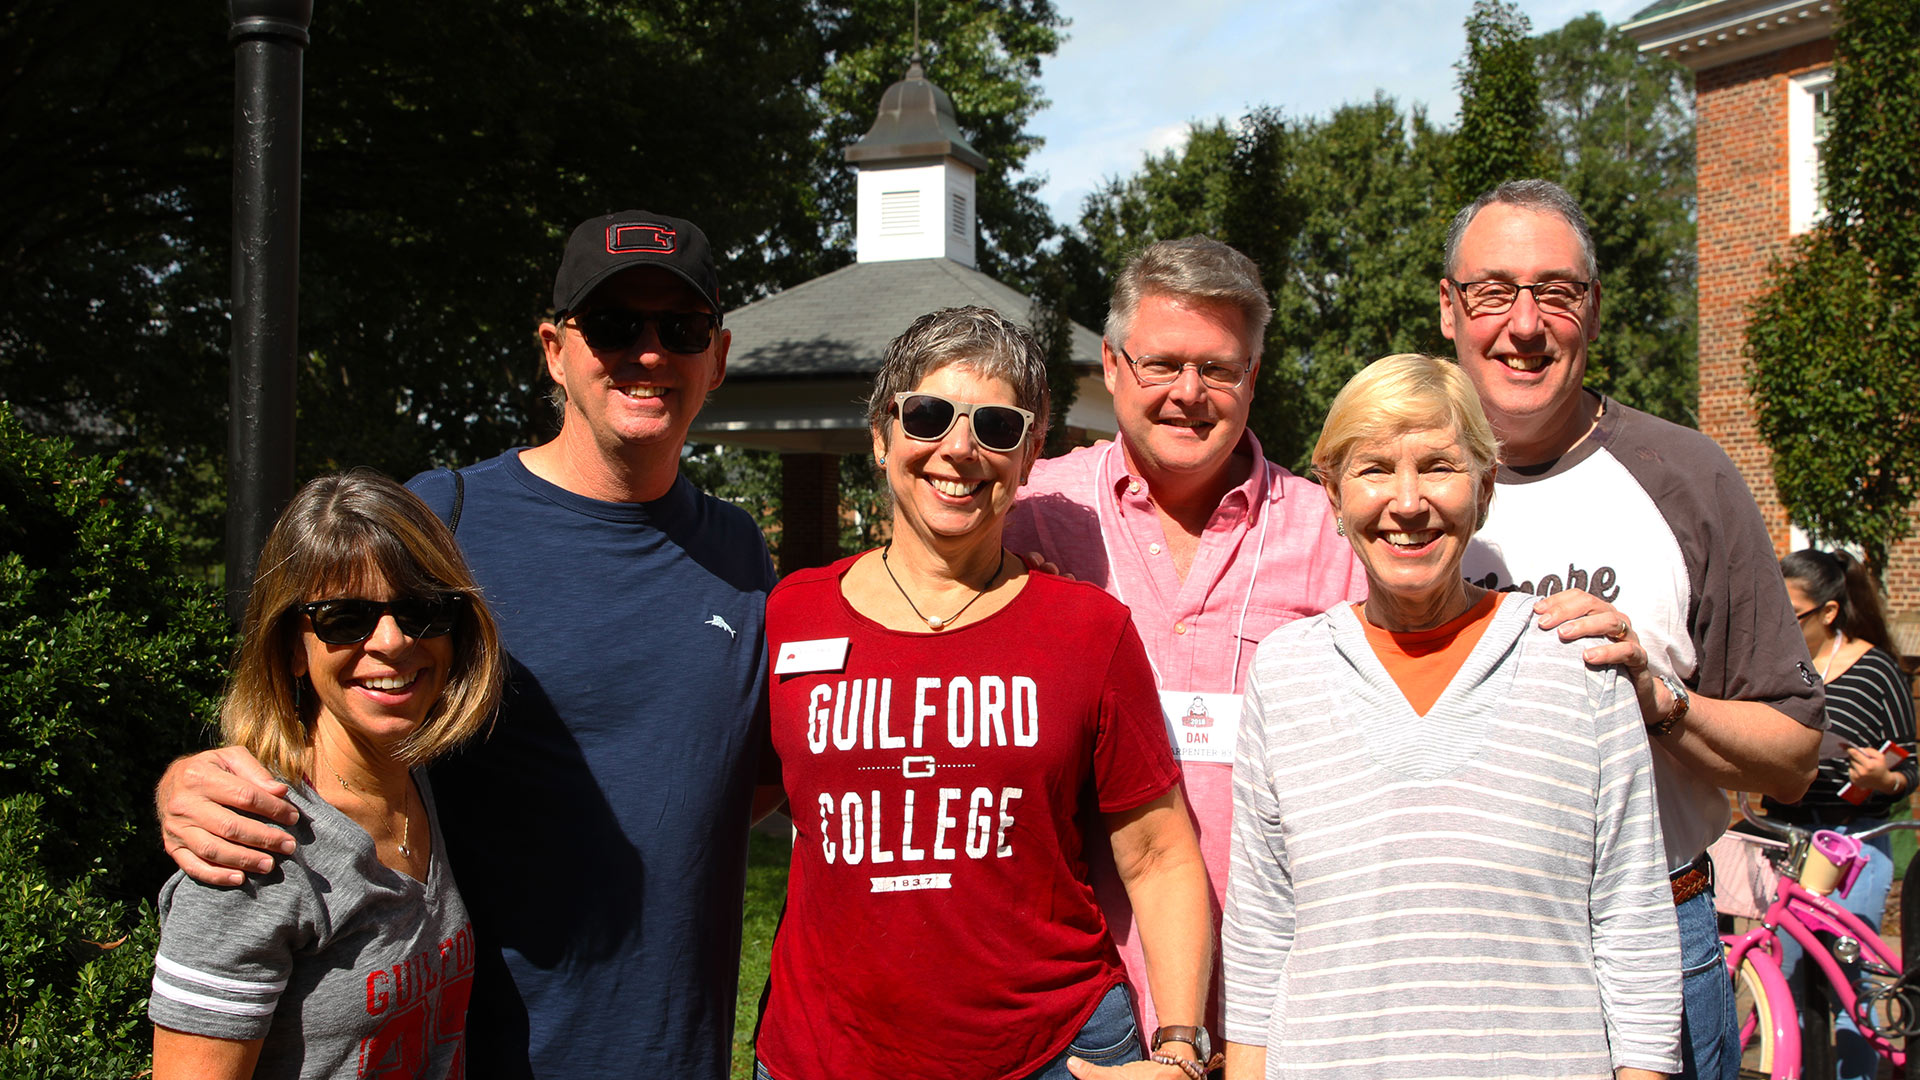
(602,247)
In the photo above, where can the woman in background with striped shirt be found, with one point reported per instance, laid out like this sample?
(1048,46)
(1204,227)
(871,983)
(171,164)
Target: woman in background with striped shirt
(1446,857)
(1869,703)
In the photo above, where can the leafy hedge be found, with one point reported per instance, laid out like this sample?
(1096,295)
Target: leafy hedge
(111,663)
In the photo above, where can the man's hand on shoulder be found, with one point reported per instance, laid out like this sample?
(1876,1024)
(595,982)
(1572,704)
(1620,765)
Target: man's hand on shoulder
(199,828)
(1579,615)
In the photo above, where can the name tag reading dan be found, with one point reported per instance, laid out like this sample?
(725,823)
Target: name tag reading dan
(821,654)
(1201,726)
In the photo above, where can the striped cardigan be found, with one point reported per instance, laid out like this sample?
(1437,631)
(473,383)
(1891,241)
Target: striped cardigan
(1478,892)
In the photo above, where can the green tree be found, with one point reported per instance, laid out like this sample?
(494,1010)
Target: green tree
(1342,217)
(1499,135)
(445,157)
(110,665)
(1833,338)
(1618,125)
(1346,215)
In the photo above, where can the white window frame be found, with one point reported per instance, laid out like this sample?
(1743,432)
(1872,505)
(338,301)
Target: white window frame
(1806,95)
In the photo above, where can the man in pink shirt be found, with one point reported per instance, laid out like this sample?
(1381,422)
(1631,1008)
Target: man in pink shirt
(1184,520)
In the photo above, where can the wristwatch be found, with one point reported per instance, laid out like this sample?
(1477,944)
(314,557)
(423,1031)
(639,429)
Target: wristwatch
(1195,1037)
(1681,703)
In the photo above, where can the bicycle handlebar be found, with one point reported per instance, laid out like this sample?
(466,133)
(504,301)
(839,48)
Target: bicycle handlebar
(1785,831)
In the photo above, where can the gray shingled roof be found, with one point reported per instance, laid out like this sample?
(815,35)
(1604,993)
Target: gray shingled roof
(1660,8)
(840,323)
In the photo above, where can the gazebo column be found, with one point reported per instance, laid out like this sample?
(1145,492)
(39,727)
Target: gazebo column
(809,510)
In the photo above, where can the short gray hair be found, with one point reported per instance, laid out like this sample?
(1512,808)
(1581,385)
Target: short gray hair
(982,339)
(1195,268)
(1539,196)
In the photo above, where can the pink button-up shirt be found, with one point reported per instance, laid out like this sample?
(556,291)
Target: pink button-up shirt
(1269,555)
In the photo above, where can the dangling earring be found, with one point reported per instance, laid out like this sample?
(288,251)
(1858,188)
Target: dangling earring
(299,695)
(1339,527)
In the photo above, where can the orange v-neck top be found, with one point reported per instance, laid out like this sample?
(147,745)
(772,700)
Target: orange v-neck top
(1423,662)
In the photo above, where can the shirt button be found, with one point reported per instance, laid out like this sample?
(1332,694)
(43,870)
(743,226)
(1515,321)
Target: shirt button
(1133,488)
(1153,549)
(1179,628)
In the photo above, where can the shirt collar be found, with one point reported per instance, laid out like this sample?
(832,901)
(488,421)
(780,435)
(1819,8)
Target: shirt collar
(1258,487)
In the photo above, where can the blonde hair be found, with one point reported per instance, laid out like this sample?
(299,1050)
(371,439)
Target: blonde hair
(1401,393)
(340,533)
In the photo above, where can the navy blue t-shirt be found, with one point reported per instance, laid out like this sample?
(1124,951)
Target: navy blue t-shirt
(599,832)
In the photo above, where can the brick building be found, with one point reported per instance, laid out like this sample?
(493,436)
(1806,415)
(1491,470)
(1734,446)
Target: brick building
(1762,71)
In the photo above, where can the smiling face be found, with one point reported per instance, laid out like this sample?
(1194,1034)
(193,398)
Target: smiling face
(1184,432)
(1528,365)
(1410,502)
(643,396)
(954,489)
(380,690)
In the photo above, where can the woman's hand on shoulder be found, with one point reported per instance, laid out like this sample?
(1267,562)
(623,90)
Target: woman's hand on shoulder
(200,829)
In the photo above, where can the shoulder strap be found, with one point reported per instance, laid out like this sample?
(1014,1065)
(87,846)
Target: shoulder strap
(459,497)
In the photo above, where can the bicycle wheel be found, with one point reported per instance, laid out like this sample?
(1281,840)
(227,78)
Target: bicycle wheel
(1816,1029)
(1769,1031)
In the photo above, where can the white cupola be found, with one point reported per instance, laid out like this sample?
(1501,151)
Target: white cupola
(916,173)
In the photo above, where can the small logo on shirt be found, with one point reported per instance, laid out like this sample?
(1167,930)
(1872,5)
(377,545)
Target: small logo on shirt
(1197,715)
(721,623)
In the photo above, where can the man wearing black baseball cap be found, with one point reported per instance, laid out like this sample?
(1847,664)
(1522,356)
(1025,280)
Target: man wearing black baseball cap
(599,834)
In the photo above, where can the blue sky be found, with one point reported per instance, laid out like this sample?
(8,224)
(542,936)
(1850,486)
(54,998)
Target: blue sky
(1133,73)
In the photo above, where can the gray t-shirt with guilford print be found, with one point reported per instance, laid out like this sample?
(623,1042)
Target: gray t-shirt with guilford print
(1654,519)
(347,968)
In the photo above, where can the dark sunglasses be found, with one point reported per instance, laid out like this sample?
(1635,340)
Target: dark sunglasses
(618,329)
(349,622)
(928,417)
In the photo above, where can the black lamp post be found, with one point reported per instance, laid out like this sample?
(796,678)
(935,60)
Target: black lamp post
(269,41)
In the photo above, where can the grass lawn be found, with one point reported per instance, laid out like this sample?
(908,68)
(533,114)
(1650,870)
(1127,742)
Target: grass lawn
(766,892)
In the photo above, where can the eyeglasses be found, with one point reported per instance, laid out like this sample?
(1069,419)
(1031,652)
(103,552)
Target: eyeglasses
(617,329)
(1494,297)
(1161,370)
(928,417)
(349,622)
(1801,616)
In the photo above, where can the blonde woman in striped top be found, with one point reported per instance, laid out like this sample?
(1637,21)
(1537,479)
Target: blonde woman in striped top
(1446,856)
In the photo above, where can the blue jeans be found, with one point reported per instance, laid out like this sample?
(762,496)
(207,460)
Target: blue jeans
(1109,1037)
(1855,1056)
(1709,1032)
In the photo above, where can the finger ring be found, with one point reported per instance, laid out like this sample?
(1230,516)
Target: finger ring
(1619,634)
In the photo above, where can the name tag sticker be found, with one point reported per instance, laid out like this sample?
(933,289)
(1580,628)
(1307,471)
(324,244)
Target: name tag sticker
(1201,726)
(821,654)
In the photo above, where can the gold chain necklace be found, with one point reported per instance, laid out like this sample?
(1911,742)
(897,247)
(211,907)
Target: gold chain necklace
(406,819)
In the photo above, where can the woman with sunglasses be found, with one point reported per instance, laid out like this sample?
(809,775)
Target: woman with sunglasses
(1862,781)
(948,722)
(365,654)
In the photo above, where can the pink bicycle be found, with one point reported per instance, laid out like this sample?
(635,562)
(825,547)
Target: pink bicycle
(1882,1000)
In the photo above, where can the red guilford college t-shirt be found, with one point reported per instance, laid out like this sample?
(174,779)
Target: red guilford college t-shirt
(938,921)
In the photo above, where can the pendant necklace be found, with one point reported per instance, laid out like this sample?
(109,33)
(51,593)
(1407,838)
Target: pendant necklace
(406,820)
(933,622)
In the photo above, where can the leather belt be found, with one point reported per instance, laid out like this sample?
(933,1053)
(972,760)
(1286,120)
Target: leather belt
(1692,879)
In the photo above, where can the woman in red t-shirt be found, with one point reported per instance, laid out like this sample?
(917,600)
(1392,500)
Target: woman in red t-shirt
(955,732)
